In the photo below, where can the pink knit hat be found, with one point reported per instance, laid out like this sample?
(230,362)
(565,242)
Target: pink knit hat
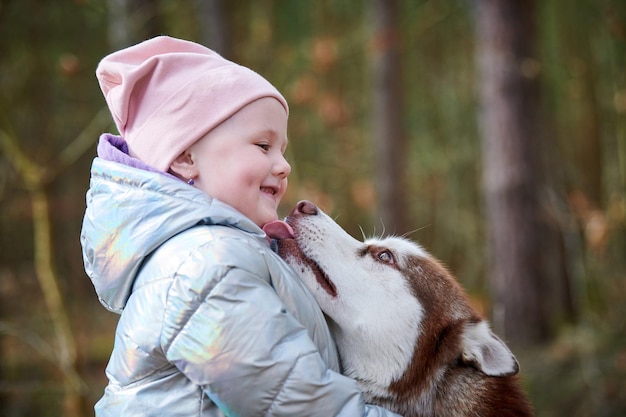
(166,93)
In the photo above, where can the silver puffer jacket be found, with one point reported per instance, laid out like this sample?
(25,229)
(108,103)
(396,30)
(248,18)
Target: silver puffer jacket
(212,321)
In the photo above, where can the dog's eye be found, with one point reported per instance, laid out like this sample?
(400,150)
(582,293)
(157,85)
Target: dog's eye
(386,257)
(380,254)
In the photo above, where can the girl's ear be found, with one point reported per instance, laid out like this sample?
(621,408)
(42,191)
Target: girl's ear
(184,166)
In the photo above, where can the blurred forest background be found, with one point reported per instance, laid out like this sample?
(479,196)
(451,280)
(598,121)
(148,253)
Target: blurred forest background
(492,132)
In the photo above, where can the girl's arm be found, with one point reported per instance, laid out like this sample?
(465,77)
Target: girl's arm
(227,330)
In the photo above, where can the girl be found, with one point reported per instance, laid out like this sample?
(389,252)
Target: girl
(212,321)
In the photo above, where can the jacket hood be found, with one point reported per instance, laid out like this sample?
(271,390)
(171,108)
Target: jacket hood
(131,210)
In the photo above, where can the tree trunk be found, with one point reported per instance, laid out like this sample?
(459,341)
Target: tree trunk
(512,175)
(214,33)
(132,21)
(35,179)
(388,108)
(75,388)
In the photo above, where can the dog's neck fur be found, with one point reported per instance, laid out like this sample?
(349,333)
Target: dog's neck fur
(365,356)
(392,383)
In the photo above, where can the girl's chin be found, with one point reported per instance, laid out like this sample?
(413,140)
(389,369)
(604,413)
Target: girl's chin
(262,218)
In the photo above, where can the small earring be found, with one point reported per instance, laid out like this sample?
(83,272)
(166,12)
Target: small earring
(190,181)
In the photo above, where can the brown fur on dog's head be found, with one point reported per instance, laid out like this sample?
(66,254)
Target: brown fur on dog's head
(460,377)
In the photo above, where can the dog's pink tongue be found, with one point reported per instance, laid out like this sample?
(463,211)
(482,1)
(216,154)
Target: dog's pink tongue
(278,229)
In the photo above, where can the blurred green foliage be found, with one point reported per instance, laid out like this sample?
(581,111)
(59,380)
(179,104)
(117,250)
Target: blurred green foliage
(317,53)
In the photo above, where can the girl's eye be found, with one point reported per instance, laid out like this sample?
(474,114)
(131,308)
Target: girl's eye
(264,146)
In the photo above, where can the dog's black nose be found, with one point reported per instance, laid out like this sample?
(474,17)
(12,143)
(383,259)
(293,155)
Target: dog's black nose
(306,207)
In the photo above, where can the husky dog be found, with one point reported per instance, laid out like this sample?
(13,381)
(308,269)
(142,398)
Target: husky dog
(404,327)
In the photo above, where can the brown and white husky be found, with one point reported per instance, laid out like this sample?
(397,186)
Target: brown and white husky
(404,327)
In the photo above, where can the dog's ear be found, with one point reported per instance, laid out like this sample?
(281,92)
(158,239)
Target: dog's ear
(486,352)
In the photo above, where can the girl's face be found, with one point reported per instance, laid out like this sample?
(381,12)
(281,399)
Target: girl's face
(241,162)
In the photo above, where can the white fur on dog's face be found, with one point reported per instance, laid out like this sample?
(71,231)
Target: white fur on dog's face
(404,327)
(370,271)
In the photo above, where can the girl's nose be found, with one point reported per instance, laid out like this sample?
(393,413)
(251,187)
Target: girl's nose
(282,168)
